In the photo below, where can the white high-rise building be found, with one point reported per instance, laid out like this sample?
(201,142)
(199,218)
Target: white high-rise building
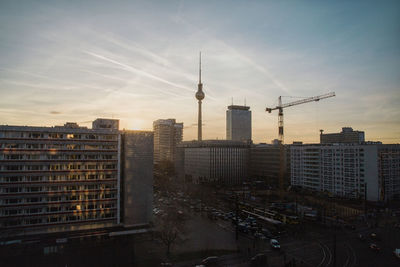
(238,123)
(167,134)
(347,169)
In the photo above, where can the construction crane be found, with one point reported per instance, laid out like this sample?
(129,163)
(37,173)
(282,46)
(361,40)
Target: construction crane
(280,108)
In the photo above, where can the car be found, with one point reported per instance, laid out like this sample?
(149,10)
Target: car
(361,237)
(267,233)
(242,227)
(375,236)
(259,236)
(396,253)
(210,261)
(374,247)
(350,226)
(258,260)
(275,244)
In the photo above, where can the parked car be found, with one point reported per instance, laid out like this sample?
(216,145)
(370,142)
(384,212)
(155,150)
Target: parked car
(396,253)
(361,237)
(259,236)
(266,233)
(258,260)
(275,244)
(350,226)
(374,247)
(375,236)
(210,261)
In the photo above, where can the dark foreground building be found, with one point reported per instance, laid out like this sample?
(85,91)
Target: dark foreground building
(67,178)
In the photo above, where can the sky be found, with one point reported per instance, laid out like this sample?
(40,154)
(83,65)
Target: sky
(137,61)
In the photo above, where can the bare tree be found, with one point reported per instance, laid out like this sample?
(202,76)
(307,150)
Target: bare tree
(169,227)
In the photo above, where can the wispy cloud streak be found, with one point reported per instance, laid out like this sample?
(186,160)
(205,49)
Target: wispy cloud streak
(139,72)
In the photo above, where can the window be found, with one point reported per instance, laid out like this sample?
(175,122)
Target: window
(73,146)
(13,179)
(34,189)
(12,200)
(53,209)
(91,136)
(91,176)
(53,219)
(14,156)
(13,189)
(33,199)
(91,156)
(35,167)
(35,135)
(34,210)
(33,178)
(91,167)
(54,199)
(74,167)
(14,167)
(109,166)
(56,135)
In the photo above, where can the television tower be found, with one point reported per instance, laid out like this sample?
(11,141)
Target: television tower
(199,96)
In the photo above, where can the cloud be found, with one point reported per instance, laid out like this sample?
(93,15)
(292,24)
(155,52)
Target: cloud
(139,71)
(55,112)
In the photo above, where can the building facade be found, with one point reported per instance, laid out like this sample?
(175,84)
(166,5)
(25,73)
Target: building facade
(238,123)
(346,136)
(58,178)
(215,161)
(67,178)
(348,170)
(265,164)
(136,177)
(167,134)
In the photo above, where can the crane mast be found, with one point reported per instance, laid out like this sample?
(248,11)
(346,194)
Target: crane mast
(280,108)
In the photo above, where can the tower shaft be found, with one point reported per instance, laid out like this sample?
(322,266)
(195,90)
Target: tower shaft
(199,123)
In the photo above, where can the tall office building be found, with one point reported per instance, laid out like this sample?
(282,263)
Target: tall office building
(167,134)
(348,170)
(136,177)
(346,136)
(67,178)
(238,123)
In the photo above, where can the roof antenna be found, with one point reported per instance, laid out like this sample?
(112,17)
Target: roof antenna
(244,101)
(232,100)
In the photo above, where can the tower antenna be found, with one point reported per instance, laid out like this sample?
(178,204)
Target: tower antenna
(200,68)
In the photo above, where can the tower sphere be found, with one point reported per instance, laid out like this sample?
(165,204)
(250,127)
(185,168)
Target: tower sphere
(199,95)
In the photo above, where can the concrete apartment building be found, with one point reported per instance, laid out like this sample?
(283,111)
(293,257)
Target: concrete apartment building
(214,161)
(238,123)
(65,178)
(347,135)
(348,170)
(167,134)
